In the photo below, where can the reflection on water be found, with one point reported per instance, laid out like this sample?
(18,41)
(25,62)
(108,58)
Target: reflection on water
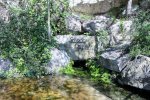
(48,88)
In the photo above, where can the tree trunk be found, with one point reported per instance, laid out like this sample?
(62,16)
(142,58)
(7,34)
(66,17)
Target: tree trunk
(129,8)
(48,21)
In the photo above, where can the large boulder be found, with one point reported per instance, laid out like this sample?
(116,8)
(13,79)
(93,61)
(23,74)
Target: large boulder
(133,72)
(4,14)
(95,6)
(114,60)
(145,4)
(120,32)
(73,3)
(137,73)
(4,65)
(96,25)
(73,24)
(78,47)
(7,70)
(59,60)
(4,8)
(10,2)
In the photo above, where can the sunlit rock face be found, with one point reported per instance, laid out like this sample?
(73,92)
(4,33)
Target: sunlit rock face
(79,47)
(73,3)
(145,4)
(4,7)
(97,24)
(4,65)
(59,60)
(10,2)
(96,6)
(137,73)
(121,31)
(7,70)
(73,24)
(114,60)
(4,14)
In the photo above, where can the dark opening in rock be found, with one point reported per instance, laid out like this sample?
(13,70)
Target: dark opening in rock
(80,64)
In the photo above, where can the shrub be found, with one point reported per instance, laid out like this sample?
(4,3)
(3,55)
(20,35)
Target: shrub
(141,41)
(24,39)
(98,73)
(59,11)
(69,70)
(93,71)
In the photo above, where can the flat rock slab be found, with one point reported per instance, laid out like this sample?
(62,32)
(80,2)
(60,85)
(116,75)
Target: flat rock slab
(78,47)
(96,6)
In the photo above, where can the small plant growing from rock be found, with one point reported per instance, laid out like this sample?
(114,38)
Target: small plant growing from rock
(98,73)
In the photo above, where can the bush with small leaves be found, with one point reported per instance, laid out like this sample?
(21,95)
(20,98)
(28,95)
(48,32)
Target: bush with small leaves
(141,41)
(24,39)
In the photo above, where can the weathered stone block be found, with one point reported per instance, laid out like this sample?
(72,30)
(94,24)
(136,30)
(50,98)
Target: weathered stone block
(96,25)
(114,60)
(4,8)
(96,6)
(79,47)
(121,31)
(59,60)
(73,24)
(137,73)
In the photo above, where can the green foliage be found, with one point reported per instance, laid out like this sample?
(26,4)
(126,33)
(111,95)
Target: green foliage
(59,11)
(68,69)
(141,42)
(24,39)
(102,36)
(122,30)
(102,33)
(86,16)
(114,12)
(98,73)
(94,72)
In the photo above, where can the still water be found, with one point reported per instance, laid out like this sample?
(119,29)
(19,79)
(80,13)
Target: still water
(48,88)
(61,88)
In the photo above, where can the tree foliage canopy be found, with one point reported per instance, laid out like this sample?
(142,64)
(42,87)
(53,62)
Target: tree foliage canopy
(24,39)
